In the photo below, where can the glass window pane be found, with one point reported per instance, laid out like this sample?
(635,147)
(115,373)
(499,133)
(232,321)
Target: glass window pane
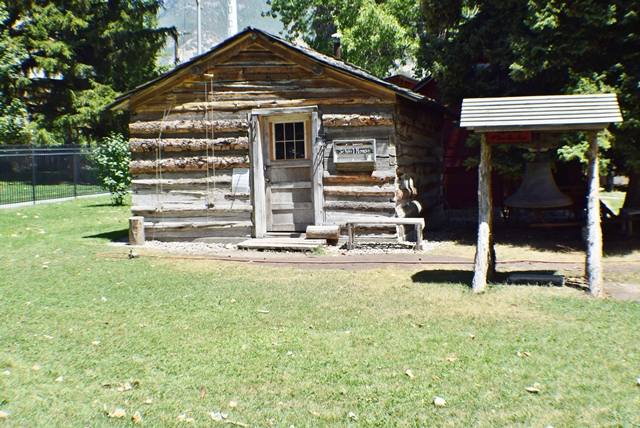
(300,149)
(279,128)
(299,130)
(290,150)
(279,150)
(288,131)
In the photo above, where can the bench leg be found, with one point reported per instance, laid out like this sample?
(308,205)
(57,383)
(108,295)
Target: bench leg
(418,246)
(350,234)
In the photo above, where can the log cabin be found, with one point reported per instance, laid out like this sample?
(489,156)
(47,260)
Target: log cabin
(259,137)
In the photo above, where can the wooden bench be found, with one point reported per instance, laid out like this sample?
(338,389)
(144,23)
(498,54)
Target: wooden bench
(628,216)
(384,221)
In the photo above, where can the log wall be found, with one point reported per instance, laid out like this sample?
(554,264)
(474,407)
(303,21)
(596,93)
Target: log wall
(420,164)
(185,142)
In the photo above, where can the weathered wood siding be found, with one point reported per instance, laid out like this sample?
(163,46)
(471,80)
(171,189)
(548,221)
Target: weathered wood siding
(420,163)
(185,142)
(348,190)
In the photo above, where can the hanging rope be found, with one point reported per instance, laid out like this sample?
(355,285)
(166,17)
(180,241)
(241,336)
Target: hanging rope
(210,198)
(158,168)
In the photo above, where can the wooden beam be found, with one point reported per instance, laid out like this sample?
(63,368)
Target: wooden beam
(484,267)
(374,119)
(360,206)
(139,145)
(317,170)
(258,196)
(374,177)
(422,168)
(318,67)
(188,164)
(155,127)
(186,73)
(360,191)
(594,229)
(238,105)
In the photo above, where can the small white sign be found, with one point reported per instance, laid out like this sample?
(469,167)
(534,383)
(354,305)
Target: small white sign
(240,181)
(354,151)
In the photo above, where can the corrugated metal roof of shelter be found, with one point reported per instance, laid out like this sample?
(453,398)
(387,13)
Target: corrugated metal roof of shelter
(325,59)
(566,112)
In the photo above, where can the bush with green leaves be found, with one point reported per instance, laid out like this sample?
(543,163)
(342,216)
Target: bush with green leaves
(112,159)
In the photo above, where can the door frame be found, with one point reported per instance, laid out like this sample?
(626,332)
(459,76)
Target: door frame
(258,131)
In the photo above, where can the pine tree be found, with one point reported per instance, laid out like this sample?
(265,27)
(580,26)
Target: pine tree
(70,58)
(521,47)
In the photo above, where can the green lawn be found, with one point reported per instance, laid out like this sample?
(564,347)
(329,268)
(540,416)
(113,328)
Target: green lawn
(17,192)
(190,337)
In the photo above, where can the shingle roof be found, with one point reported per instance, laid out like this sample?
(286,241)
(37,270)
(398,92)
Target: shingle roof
(575,112)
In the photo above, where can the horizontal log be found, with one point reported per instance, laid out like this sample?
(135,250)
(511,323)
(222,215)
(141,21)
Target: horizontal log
(376,119)
(422,168)
(189,164)
(418,207)
(359,178)
(182,235)
(169,182)
(249,104)
(412,192)
(177,225)
(187,144)
(201,210)
(323,232)
(155,127)
(406,150)
(358,191)
(360,206)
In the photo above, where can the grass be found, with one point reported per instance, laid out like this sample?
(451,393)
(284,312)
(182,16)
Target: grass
(613,200)
(192,336)
(17,192)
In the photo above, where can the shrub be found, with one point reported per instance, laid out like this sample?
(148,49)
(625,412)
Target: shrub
(112,158)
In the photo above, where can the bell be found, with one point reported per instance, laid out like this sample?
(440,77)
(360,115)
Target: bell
(538,190)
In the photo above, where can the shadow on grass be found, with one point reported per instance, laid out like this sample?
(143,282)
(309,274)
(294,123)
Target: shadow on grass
(113,236)
(566,239)
(465,277)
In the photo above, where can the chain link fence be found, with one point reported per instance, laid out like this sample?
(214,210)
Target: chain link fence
(30,174)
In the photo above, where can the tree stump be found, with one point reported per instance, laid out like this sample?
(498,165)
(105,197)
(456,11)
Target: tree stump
(136,230)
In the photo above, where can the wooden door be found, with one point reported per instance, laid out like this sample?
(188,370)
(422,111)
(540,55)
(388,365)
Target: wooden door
(287,169)
(288,196)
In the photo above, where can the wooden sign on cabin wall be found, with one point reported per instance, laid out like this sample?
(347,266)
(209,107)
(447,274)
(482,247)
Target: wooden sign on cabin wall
(354,151)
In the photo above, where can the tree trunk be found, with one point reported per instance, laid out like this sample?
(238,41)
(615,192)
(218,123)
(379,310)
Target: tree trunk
(485,261)
(594,230)
(632,200)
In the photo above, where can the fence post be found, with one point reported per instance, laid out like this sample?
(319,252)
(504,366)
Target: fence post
(33,173)
(76,149)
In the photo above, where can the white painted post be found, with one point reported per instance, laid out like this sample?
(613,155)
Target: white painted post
(232,18)
(593,270)
(484,266)
(199,27)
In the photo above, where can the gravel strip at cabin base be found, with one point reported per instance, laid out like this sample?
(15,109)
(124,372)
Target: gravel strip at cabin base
(201,248)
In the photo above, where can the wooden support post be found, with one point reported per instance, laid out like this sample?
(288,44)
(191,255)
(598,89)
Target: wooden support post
(257,179)
(593,270)
(485,255)
(136,230)
(317,170)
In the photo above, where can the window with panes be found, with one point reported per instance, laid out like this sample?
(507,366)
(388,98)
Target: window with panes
(289,140)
